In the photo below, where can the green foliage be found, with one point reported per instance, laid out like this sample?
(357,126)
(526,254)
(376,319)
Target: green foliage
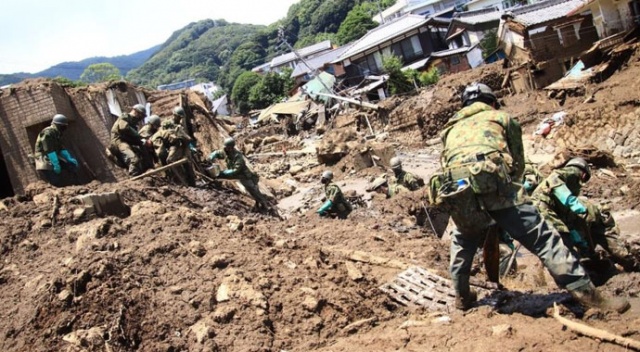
(242,89)
(398,82)
(101,72)
(489,43)
(357,23)
(65,82)
(430,77)
(202,50)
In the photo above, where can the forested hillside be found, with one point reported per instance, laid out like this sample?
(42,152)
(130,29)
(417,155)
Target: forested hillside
(215,50)
(73,69)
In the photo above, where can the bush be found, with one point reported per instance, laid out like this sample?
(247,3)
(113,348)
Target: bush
(430,77)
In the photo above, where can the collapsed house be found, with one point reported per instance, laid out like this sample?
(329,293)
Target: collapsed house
(541,42)
(27,108)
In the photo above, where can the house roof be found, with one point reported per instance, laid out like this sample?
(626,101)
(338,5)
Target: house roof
(384,33)
(451,52)
(318,61)
(544,11)
(478,16)
(306,51)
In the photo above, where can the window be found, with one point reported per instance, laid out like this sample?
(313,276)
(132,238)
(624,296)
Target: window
(455,60)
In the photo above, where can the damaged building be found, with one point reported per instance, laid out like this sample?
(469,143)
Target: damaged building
(27,108)
(542,42)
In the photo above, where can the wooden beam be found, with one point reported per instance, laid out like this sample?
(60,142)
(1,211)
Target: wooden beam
(160,169)
(352,101)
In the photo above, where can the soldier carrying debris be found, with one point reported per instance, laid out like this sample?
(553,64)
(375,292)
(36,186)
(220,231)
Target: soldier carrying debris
(405,178)
(172,143)
(482,154)
(335,205)
(582,224)
(126,144)
(381,185)
(50,155)
(237,170)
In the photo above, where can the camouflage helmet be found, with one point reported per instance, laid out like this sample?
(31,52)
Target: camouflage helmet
(478,92)
(140,108)
(178,110)
(581,164)
(327,175)
(395,163)
(59,119)
(154,120)
(229,142)
(377,183)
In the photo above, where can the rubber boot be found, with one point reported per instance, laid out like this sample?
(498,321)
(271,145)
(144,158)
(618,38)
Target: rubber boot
(464,302)
(589,296)
(465,296)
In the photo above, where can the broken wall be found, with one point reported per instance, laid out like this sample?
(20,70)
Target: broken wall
(26,108)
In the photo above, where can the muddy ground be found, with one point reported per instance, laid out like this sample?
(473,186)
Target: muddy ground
(195,269)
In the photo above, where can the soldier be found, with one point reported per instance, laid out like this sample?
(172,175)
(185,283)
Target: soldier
(583,225)
(381,185)
(50,155)
(151,127)
(482,154)
(405,178)
(335,205)
(531,177)
(237,170)
(126,143)
(172,143)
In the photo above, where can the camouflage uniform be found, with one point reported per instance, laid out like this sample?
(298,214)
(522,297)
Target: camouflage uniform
(340,206)
(395,189)
(237,169)
(126,143)
(532,177)
(595,226)
(147,131)
(483,147)
(171,144)
(408,180)
(50,140)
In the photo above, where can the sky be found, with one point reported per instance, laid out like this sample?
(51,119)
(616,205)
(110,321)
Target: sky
(38,34)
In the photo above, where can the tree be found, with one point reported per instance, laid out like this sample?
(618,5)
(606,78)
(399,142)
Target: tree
(398,82)
(489,43)
(356,25)
(271,89)
(242,89)
(100,73)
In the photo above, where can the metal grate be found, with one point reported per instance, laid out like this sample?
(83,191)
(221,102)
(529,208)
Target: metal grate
(418,287)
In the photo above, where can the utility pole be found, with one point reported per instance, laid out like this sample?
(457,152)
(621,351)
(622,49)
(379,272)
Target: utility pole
(380,12)
(313,72)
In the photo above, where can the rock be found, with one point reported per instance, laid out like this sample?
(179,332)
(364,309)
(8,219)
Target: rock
(223,293)
(79,213)
(310,303)
(625,189)
(503,330)
(197,248)
(234,223)
(175,290)
(295,169)
(29,245)
(90,340)
(65,296)
(224,315)
(353,272)
(202,331)
(43,198)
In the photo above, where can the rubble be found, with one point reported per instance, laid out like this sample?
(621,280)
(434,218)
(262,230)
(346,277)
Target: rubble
(195,268)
